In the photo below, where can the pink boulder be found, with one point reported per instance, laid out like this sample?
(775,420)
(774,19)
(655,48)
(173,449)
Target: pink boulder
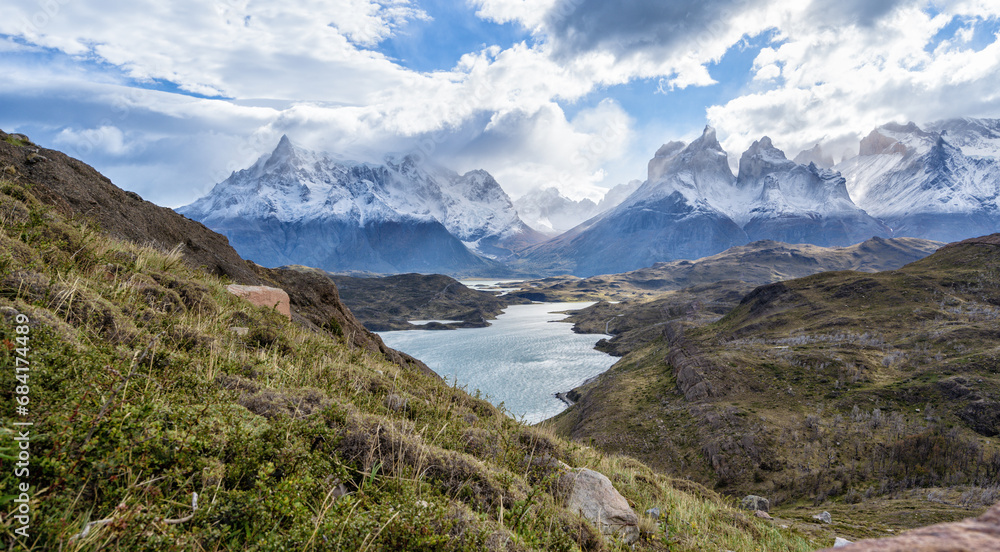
(969,535)
(264,296)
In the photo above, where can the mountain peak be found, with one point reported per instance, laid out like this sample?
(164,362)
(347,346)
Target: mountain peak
(708,140)
(284,145)
(764,144)
(816,156)
(282,153)
(877,143)
(761,158)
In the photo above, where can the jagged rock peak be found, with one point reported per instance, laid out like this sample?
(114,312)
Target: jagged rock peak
(877,143)
(708,140)
(669,149)
(761,157)
(662,158)
(283,153)
(816,156)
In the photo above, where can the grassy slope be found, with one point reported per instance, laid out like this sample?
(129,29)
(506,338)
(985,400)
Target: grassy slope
(141,395)
(836,386)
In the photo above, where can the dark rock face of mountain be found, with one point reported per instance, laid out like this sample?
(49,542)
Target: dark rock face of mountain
(380,246)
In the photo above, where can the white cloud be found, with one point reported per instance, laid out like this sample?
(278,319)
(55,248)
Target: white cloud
(105,139)
(843,81)
(833,70)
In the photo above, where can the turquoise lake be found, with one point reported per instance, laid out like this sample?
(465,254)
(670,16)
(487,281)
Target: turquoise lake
(521,360)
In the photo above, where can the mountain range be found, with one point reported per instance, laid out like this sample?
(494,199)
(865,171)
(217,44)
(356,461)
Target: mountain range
(550,212)
(294,206)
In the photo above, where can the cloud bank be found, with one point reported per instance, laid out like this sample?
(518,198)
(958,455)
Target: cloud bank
(169,100)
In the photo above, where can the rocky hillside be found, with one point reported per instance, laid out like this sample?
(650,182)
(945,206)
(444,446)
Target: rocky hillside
(170,414)
(756,263)
(840,386)
(390,302)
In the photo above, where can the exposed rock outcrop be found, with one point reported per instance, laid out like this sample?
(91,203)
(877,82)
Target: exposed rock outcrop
(877,143)
(971,535)
(688,365)
(754,502)
(592,495)
(264,296)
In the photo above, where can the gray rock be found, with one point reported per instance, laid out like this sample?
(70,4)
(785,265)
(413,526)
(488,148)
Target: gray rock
(653,513)
(36,158)
(824,517)
(841,542)
(754,502)
(592,495)
(395,403)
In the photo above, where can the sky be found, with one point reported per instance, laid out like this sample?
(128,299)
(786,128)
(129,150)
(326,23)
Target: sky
(168,98)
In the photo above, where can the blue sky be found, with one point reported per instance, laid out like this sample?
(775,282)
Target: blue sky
(167,100)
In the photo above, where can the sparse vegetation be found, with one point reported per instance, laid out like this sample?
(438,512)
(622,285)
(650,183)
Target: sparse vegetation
(143,396)
(840,387)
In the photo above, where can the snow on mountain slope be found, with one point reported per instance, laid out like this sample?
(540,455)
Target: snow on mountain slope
(922,183)
(786,201)
(549,211)
(667,218)
(295,206)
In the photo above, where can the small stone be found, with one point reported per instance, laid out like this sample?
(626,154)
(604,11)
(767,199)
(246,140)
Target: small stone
(841,542)
(762,514)
(653,513)
(395,403)
(754,502)
(594,497)
(824,517)
(239,330)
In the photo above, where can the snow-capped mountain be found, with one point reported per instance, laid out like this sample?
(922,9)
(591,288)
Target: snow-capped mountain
(618,194)
(815,155)
(782,200)
(691,205)
(295,206)
(942,183)
(668,217)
